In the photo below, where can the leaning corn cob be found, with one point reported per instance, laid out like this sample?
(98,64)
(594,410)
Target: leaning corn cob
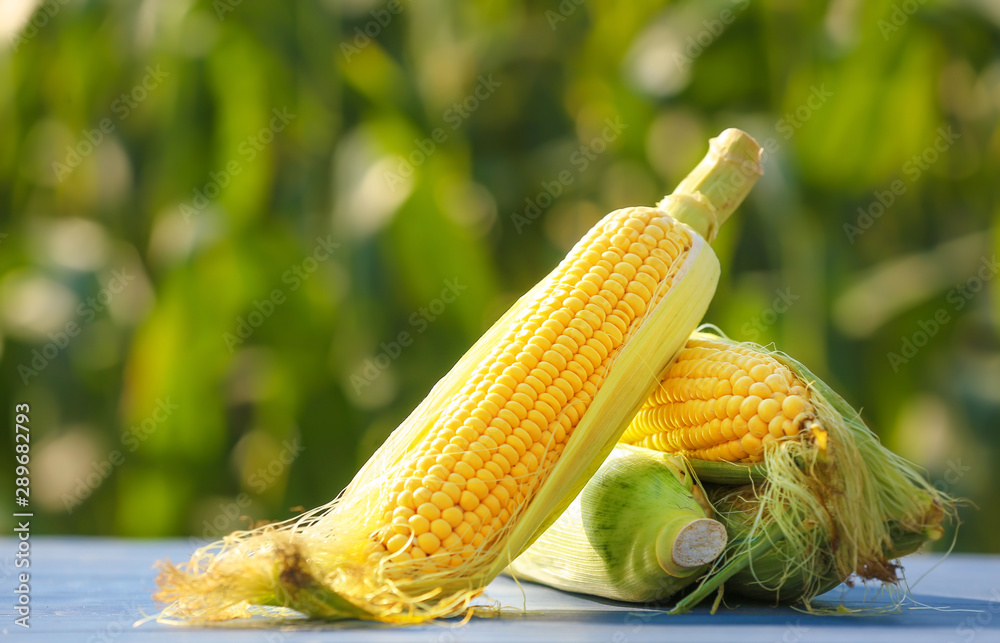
(503,443)
(834,496)
(640,531)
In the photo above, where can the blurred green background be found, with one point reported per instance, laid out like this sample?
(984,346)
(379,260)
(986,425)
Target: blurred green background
(219,217)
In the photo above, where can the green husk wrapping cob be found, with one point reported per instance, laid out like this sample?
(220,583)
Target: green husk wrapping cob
(758,568)
(640,531)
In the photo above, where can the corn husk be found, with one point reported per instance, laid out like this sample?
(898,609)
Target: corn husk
(764,574)
(640,531)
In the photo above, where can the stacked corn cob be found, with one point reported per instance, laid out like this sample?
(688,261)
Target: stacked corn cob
(806,492)
(834,502)
(504,441)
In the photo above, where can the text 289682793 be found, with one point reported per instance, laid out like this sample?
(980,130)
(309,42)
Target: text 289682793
(22,492)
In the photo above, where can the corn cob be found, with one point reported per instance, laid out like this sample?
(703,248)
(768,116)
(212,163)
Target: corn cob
(504,441)
(640,531)
(722,401)
(832,494)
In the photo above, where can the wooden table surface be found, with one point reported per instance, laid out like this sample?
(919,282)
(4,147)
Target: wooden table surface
(94,589)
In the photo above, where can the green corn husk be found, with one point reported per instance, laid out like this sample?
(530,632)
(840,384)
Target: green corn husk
(640,531)
(763,574)
(834,503)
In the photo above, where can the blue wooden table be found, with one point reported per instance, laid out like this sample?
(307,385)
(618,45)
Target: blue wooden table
(93,590)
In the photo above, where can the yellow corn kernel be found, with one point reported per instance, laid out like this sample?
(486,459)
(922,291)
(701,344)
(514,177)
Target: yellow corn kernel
(549,370)
(721,400)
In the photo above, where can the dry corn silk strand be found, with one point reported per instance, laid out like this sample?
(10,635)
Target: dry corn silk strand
(503,442)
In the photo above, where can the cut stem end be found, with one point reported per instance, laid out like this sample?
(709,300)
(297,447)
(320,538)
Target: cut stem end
(684,548)
(718,184)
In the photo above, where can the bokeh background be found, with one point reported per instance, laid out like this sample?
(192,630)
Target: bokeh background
(218,218)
